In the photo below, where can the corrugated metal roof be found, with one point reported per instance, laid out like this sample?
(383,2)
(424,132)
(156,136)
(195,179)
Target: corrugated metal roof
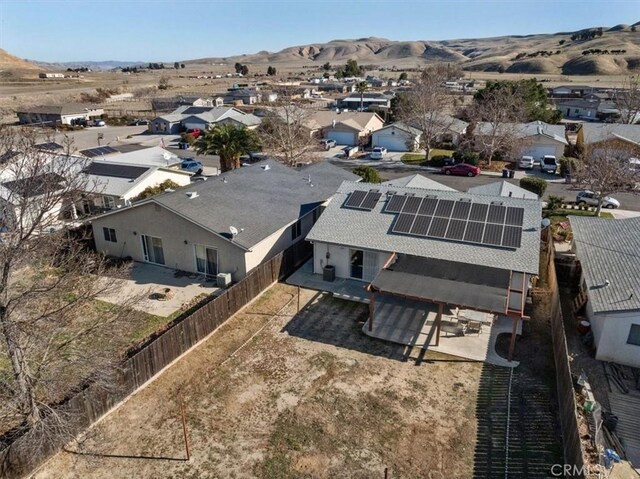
(609,250)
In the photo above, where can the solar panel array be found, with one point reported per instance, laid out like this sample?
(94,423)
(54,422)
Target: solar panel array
(363,200)
(489,224)
(99,151)
(116,170)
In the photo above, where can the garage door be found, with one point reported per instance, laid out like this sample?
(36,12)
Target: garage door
(342,137)
(391,142)
(537,152)
(193,125)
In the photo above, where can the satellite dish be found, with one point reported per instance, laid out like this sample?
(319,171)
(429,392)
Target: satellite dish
(234,230)
(546,222)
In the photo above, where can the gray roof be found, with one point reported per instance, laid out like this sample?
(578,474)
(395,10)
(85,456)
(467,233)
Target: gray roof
(578,103)
(597,132)
(418,181)
(372,230)
(257,201)
(525,130)
(152,156)
(443,120)
(65,109)
(404,127)
(609,250)
(503,188)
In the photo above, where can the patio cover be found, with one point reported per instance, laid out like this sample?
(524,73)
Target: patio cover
(448,282)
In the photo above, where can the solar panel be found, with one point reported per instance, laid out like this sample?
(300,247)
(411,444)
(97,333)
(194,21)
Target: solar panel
(444,208)
(478,212)
(428,206)
(355,199)
(49,146)
(456,229)
(473,233)
(421,225)
(412,204)
(438,227)
(493,234)
(461,210)
(99,151)
(514,216)
(403,223)
(512,236)
(370,201)
(116,170)
(395,204)
(496,214)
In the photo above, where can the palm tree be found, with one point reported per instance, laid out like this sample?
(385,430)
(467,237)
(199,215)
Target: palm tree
(361,88)
(229,142)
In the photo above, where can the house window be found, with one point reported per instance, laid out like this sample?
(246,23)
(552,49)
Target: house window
(296,230)
(152,249)
(108,202)
(206,260)
(109,235)
(634,335)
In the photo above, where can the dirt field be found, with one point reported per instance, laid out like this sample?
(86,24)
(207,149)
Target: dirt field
(308,396)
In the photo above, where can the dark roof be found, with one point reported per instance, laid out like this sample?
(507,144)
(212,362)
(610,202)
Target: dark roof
(98,151)
(449,282)
(36,185)
(66,109)
(116,170)
(49,146)
(196,110)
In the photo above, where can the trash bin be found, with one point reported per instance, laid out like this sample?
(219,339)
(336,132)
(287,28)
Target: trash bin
(512,173)
(568,178)
(505,173)
(329,273)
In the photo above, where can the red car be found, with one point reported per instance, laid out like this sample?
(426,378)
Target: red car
(461,169)
(195,132)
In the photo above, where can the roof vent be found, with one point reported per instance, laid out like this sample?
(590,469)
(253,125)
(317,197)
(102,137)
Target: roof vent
(191,194)
(499,203)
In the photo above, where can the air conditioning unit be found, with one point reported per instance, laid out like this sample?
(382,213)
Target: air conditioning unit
(223,280)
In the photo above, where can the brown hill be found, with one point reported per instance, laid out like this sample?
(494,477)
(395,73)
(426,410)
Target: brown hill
(537,54)
(9,62)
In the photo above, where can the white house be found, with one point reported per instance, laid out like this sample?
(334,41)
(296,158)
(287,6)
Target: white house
(397,137)
(608,253)
(535,139)
(51,115)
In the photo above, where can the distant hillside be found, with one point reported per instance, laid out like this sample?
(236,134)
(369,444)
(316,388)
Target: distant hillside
(93,65)
(10,62)
(614,51)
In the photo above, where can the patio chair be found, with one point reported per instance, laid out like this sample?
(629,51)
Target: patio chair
(474,326)
(455,328)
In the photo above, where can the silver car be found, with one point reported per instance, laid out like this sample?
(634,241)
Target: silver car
(590,198)
(526,163)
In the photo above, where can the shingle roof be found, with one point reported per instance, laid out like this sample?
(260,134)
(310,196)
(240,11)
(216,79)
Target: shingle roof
(418,181)
(443,120)
(372,230)
(597,132)
(66,109)
(256,201)
(404,127)
(325,118)
(609,250)
(525,130)
(503,188)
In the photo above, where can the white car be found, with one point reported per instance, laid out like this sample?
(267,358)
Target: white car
(526,163)
(590,198)
(378,153)
(549,164)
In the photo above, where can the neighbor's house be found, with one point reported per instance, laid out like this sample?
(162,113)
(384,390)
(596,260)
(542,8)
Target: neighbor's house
(245,96)
(593,109)
(370,99)
(608,254)
(192,117)
(115,184)
(451,129)
(346,128)
(599,136)
(152,156)
(503,188)
(535,139)
(52,115)
(571,91)
(227,225)
(397,137)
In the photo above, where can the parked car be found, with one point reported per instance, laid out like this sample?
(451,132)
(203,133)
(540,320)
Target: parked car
(195,132)
(461,169)
(328,144)
(590,198)
(378,153)
(526,163)
(549,164)
(191,165)
(138,122)
(99,123)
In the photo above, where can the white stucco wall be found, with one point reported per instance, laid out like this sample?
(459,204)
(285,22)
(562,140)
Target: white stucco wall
(340,258)
(613,332)
(180,177)
(539,141)
(153,220)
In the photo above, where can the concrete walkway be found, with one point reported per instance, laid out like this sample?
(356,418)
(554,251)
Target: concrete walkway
(348,289)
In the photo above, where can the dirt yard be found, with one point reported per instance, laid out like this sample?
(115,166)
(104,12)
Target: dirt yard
(308,396)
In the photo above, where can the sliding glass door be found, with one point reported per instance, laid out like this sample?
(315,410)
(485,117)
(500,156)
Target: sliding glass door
(364,264)
(152,249)
(206,260)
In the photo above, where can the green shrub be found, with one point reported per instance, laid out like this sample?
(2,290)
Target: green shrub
(157,189)
(535,185)
(466,156)
(368,174)
(568,165)
(554,203)
(438,160)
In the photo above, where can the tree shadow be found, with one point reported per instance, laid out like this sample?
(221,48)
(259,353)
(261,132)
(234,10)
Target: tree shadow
(123,456)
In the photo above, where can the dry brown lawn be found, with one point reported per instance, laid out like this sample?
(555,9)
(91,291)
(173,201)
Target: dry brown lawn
(307,396)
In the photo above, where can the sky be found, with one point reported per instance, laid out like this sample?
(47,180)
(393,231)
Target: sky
(163,30)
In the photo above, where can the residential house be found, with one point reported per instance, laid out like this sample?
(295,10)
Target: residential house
(608,254)
(192,117)
(503,188)
(578,108)
(397,137)
(571,91)
(245,96)
(346,128)
(613,136)
(535,139)
(333,88)
(150,156)
(52,115)
(418,181)
(229,224)
(369,99)
(413,246)
(452,129)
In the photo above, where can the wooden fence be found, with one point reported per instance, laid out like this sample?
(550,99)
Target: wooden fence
(27,452)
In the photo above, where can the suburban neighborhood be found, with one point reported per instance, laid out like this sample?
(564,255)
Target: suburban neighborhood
(359,258)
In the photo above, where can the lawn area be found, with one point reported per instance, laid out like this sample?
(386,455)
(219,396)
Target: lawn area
(309,395)
(561,215)
(418,158)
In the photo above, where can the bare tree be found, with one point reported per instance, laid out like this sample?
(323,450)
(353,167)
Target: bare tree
(285,132)
(627,100)
(608,170)
(496,117)
(50,342)
(426,105)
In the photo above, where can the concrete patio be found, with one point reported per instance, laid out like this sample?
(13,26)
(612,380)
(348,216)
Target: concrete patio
(148,281)
(349,289)
(412,323)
